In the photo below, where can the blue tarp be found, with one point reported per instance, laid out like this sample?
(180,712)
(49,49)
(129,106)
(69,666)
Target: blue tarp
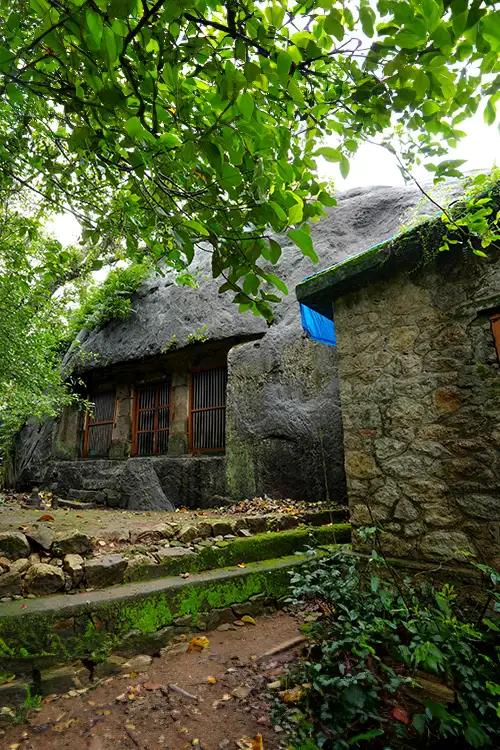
(317,326)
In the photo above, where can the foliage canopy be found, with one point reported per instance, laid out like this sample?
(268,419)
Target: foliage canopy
(186,124)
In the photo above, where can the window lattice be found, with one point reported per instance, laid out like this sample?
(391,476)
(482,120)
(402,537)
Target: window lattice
(152,419)
(208,410)
(99,426)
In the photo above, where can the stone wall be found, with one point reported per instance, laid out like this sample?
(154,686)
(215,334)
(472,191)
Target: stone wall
(420,394)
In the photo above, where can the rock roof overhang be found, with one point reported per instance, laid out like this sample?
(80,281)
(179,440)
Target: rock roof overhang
(400,252)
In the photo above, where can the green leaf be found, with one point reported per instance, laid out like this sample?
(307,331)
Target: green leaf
(272,252)
(303,240)
(110,46)
(429,108)
(344,167)
(283,64)
(490,26)
(136,130)
(367,18)
(330,154)
(277,282)
(95,25)
(296,210)
(196,226)
(333,25)
(245,104)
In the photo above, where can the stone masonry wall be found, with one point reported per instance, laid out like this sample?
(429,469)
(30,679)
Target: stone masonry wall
(420,394)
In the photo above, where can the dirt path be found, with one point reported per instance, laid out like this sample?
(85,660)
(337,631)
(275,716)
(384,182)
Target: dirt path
(142,711)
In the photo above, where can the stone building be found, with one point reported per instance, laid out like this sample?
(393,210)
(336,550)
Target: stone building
(195,402)
(418,339)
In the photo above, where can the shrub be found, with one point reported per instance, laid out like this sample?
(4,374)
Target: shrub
(373,640)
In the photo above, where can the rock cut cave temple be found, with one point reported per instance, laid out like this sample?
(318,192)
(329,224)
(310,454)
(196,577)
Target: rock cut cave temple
(195,402)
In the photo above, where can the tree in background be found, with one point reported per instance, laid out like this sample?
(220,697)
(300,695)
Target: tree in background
(172,123)
(32,319)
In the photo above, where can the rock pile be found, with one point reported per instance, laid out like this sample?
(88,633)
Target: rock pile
(39,561)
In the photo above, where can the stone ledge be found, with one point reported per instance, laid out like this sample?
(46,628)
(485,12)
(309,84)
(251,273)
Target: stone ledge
(37,634)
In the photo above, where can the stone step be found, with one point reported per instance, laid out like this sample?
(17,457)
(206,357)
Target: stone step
(39,635)
(177,560)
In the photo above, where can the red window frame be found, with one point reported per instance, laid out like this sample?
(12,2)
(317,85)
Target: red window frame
(91,424)
(495,330)
(207,410)
(155,404)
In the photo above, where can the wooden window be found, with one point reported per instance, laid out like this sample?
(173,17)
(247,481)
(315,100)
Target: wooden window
(98,429)
(208,410)
(495,329)
(151,419)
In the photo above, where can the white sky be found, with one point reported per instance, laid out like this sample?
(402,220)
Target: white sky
(371,165)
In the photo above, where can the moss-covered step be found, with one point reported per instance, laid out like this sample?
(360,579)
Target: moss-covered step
(271,544)
(141,617)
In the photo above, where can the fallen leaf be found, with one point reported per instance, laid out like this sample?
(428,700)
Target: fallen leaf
(46,517)
(197,644)
(211,680)
(242,565)
(293,695)
(400,714)
(248,619)
(226,697)
(152,686)
(258,743)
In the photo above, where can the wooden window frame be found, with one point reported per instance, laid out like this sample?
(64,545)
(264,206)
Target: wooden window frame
(89,424)
(495,331)
(155,409)
(193,411)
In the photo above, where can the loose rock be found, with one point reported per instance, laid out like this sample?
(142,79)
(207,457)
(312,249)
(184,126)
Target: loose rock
(13,545)
(73,565)
(41,536)
(105,570)
(137,664)
(72,543)
(44,579)
(188,534)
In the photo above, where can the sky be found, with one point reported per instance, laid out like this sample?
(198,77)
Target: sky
(371,165)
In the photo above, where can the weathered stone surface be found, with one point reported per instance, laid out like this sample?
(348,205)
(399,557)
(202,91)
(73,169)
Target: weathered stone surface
(482,506)
(44,579)
(168,553)
(10,583)
(221,528)
(13,694)
(112,665)
(447,545)
(436,441)
(13,545)
(188,534)
(405,511)
(41,535)
(62,679)
(105,570)
(73,566)
(72,543)
(141,488)
(138,663)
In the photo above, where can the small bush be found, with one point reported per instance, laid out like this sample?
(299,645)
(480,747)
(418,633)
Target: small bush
(111,300)
(372,640)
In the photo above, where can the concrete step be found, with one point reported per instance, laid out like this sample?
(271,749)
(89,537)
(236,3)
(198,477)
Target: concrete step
(39,636)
